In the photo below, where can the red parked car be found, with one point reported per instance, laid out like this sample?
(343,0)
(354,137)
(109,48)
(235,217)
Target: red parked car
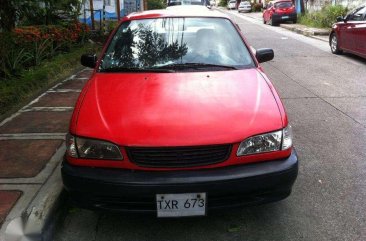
(178,119)
(279,11)
(349,33)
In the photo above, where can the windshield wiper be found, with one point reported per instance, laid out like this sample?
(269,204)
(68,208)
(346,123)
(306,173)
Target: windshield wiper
(195,66)
(134,69)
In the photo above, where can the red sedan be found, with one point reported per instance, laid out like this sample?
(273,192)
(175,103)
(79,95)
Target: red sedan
(178,119)
(349,33)
(279,11)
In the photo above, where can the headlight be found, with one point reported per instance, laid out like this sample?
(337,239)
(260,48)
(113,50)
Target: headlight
(274,141)
(287,138)
(92,149)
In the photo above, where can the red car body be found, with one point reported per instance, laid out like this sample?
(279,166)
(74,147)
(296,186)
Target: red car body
(178,110)
(349,33)
(279,11)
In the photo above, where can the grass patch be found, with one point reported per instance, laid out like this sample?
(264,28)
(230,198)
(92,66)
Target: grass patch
(15,91)
(323,18)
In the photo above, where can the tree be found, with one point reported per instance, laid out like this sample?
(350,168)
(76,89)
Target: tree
(12,11)
(17,12)
(155,4)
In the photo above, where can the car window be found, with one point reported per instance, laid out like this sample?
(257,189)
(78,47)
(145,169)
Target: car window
(186,2)
(283,5)
(153,43)
(358,14)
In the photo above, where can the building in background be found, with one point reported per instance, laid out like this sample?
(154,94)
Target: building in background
(108,9)
(315,5)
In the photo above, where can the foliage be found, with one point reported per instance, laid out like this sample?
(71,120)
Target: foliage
(28,46)
(16,89)
(155,4)
(257,7)
(323,18)
(36,12)
(155,49)
(223,3)
(12,11)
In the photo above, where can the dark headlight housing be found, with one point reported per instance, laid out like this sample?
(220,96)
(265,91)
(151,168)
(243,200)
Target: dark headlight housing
(79,147)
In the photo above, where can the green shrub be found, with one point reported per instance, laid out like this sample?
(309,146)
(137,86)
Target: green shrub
(323,18)
(19,88)
(155,4)
(223,3)
(257,7)
(25,47)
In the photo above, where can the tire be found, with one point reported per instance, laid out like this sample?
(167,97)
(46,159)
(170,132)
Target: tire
(272,23)
(264,21)
(295,21)
(334,45)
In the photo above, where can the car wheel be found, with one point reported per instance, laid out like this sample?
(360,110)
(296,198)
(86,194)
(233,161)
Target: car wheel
(264,21)
(272,23)
(295,21)
(334,46)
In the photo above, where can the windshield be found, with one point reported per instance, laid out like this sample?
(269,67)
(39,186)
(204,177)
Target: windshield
(155,43)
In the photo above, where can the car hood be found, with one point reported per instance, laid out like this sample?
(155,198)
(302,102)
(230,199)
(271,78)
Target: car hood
(177,109)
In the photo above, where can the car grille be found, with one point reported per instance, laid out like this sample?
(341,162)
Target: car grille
(175,157)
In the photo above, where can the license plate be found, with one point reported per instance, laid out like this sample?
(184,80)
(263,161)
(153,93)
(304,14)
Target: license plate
(285,17)
(181,205)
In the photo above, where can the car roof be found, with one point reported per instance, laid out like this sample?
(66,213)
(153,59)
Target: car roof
(278,1)
(177,11)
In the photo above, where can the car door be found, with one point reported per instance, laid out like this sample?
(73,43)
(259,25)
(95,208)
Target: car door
(267,13)
(360,34)
(351,30)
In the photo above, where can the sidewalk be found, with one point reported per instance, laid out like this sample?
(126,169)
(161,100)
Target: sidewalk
(31,148)
(321,34)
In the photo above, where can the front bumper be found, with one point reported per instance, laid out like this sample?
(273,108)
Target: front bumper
(134,191)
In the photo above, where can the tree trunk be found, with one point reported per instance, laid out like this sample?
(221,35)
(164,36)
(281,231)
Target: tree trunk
(7,15)
(92,14)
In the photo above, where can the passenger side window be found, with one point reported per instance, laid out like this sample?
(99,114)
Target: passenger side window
(359,15)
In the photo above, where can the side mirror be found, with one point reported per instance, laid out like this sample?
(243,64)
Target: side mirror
(340,19)
(89,60)
(264,55)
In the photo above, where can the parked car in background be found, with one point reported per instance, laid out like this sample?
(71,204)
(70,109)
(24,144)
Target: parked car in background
(231,4)
(349,33)
(245,6)
(279,11)
(178,119)
(187,2)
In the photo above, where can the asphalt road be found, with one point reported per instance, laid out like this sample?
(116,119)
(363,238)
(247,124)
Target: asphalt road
(325,97)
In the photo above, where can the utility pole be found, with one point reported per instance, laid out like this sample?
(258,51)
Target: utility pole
(104,24)
(92,13)
(118,10)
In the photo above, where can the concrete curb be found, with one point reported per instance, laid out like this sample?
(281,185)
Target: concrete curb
(34,215)
(37,222)
(305,30)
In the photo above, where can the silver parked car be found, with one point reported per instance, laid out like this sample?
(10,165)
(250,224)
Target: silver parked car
(231,4)
(245,6)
